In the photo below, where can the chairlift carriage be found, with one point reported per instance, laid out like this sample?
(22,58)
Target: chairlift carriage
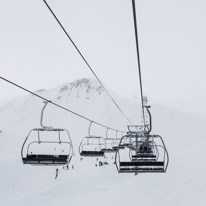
(154,160)
(112,143)
(145,153)
(92,146)
(119,139)
(47,145)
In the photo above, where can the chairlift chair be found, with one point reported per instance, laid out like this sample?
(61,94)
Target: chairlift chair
(92,146)
(143,161)
(111,143)
(146,152)
(38,151)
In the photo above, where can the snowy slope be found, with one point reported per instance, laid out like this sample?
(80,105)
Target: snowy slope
(183,184)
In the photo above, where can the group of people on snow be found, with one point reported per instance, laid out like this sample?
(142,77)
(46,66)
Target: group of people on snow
(57,170)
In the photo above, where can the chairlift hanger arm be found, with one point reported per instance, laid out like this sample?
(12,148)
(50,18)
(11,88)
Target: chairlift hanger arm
(150,119)
(107,133)
(42,115)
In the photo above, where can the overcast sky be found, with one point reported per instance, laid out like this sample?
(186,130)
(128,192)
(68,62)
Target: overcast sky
(36,54)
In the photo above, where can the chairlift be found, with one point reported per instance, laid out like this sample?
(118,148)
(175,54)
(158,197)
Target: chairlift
(117,141)
(92,146)
(146,153)
(154,160)
(111,143)
(36,150)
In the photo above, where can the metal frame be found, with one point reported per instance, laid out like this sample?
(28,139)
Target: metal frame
(91,153)
(113,145)
(136,170)
(145,163)
(38,141)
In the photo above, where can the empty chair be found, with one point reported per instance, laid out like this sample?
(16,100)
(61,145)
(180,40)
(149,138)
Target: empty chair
(47,146)
(92,146)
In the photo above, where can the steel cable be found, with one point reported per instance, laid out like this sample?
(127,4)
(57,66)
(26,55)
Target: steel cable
(85,60)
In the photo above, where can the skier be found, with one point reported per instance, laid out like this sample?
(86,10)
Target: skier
(106,163)
(73,167)
(57,172)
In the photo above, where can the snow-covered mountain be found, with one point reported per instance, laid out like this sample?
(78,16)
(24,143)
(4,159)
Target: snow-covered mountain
(89,185)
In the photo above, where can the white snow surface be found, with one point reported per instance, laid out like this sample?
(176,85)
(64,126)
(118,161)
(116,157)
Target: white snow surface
(184,183)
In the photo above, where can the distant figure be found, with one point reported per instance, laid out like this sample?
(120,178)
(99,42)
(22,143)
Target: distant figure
(67,167)
(95,165)
(100,163)
(57,173)
(97,159)
(73,167)
(81,158)
(63,167)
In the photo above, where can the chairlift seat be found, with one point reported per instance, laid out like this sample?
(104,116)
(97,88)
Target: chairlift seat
(143,156)
(142,163)
(141,169)
(126,144)
(93,137)
(45,159)
(143,160)
(109,150)
(145,152)
(118,147)
(49,129)
(92,153)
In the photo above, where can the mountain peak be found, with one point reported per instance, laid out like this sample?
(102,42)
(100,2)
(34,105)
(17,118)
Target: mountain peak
(85,84)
